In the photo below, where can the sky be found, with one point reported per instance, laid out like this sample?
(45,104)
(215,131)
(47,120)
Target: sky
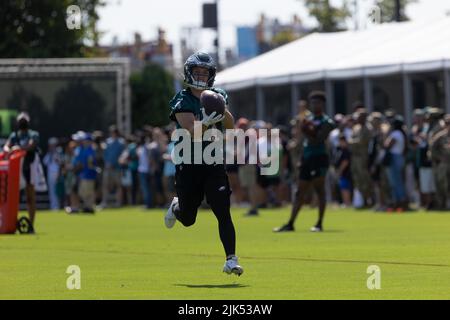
(122,18)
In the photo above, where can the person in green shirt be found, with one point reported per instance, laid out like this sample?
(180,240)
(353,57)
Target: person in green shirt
(315,161)
(195,181)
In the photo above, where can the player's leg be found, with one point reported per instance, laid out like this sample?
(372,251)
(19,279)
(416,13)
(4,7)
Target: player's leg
(303,187)
(189,189)
(218,192)
(319,187)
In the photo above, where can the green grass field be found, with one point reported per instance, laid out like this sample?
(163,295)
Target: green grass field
(129,254)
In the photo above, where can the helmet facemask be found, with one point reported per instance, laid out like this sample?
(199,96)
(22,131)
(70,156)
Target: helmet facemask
(201,60)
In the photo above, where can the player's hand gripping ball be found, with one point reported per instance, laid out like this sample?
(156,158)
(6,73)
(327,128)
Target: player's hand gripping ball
(212,102)
(308,128)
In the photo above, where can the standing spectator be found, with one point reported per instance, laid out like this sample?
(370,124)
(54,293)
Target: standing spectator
(133,163)
(27,140)
(237,197)
(85,163)
(376,170)
(169,172)
(111,174)
(99,146)
(332,180)
(247,172)
(157,147)
(396,146)
(129,163)
(143,154)
(343,172)
(72,202)
(439,157)
(52,160)
(269,183)
(359,147)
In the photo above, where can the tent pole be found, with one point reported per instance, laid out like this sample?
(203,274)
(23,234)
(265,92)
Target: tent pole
(260,112)
(329,91)
(295,97)
(407,98)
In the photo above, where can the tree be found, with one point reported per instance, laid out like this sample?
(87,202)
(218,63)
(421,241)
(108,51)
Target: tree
(38,29)
(85,106)
(283,37)
(330,18)
(389,9)
(151,91)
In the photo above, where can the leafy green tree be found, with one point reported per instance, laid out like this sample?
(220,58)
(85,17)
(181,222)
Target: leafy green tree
(283,37)
(330,18)
(151,91)
(38,29)
(388,9)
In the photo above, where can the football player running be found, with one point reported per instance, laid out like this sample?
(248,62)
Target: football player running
(314,163)
(194,181)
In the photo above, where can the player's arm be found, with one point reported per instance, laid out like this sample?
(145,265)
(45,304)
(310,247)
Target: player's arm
(187,121)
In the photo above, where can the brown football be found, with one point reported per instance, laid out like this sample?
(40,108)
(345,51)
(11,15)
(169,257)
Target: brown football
(212,101)
(308,128)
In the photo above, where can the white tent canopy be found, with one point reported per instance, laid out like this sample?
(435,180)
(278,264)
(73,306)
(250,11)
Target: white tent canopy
(381,50)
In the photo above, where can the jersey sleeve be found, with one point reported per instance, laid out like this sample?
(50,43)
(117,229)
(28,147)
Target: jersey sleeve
(178,105)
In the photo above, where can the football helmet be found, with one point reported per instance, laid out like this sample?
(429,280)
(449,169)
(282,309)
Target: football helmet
(199,59)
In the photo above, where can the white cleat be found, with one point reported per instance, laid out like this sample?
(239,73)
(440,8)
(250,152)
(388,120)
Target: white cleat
(170,218)
(316,229)
(232,266)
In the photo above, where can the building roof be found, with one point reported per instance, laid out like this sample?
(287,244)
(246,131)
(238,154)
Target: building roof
(380,50)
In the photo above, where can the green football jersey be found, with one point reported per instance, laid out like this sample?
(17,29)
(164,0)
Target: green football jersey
(185,101)
(316,146)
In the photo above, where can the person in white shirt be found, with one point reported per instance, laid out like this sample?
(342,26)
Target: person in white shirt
(396,146)
(143,153)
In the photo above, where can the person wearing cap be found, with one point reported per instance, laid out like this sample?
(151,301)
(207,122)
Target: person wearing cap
(376,170)
(27,140)
(52,160)
(85,163)
(115,145)
(72,172)
(359,147)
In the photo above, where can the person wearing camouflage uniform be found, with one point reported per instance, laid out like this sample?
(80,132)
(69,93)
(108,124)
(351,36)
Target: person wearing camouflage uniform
(359,147)
(439,152)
